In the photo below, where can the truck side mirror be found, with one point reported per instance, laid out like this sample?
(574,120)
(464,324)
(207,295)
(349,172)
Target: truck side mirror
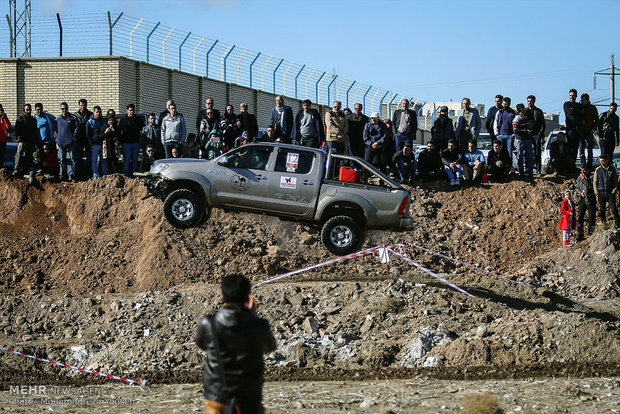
(223,160)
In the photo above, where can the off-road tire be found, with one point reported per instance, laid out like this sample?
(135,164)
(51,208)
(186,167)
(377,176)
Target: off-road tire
(183,208)
(342,235)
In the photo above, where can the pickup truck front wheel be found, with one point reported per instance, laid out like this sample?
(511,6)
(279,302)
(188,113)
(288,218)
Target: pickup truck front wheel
(342,235)
(183,208)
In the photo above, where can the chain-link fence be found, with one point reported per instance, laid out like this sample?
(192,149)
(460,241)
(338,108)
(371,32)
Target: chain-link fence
(171,47)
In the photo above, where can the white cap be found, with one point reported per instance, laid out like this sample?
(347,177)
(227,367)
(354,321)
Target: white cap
(375,115)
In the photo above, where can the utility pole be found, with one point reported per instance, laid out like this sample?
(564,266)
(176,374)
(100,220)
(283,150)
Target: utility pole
(21,20)
(612,83)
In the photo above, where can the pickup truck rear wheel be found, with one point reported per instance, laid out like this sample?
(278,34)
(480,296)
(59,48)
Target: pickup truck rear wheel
(342,235)
(183,208)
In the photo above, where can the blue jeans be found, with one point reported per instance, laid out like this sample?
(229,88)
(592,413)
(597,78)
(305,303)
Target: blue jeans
(401,140)
(506,143)
(63,151)
(97,159)
(454,175)
(407,173)
(585,144)
(525,154)
(130,158)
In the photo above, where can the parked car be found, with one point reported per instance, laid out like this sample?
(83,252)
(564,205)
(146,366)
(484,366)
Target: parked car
(546,152)
(616,160)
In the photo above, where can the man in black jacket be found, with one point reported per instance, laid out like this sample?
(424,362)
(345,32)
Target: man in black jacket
(587,202)
(608,130)
(243,338)
(82,144)
(26,133)
(202,114)
(538,131)
(491,116)
(357,121)
(130,133)
(430,167)
(248,122)
(574,123)
(443,130)
(498,162)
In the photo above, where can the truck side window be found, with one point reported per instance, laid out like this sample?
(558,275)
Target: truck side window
(294,161)
(255,158)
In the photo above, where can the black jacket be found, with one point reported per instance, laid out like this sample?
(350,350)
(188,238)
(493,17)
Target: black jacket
(429,162)
(448,157)
(130,129)
(585,188)
(413,119)
(243,338)
(538,116)
(608,127)
(442,131)
(248,123)
(296,134)
(26,129)
(490,119)
(574,115)
(80,132)
(503,156)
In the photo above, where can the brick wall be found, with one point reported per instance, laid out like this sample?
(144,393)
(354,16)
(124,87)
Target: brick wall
(114,82)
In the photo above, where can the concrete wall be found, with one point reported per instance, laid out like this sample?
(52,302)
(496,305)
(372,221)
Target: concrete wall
(114,82)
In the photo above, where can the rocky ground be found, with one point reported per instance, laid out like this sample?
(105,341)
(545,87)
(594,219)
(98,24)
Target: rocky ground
(92,275)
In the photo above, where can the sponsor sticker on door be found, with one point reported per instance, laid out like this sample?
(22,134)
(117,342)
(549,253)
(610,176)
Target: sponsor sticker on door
(288,182)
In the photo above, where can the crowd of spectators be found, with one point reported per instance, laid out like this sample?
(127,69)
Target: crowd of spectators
(84,144)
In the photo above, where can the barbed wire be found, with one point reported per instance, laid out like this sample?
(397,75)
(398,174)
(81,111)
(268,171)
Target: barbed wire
(171,47)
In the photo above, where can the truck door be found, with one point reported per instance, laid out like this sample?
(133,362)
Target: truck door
(244,181)
(295,182)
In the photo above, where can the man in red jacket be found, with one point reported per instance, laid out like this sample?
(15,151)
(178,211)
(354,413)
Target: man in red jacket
(5,125)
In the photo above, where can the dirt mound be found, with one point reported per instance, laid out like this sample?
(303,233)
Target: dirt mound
(588,270)
(101,236)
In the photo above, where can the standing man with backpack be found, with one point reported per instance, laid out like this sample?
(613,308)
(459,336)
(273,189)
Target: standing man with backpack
(235,340)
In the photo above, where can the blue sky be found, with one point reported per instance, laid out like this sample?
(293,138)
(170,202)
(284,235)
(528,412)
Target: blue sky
(431,50)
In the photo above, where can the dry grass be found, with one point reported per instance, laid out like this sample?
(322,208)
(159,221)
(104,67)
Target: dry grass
(481,404)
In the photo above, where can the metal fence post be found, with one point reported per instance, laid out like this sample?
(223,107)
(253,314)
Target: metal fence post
(148,39)
(59,28)
(111,25)
(209,51)
(274,75)
(180,46)
(308,79)
(296,76)
(328,88)
(131,38)
(230,49)
(364,98)
(252,64)
(284,77)
(194,54)
(263,72)
(381,104)
(239,66)
(373,100)
(348,93)
(164,46)
(390,105)
(317,87)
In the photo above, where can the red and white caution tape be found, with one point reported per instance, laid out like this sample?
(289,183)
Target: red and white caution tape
(84,370)
(430,272)
(361,253)
(467,264)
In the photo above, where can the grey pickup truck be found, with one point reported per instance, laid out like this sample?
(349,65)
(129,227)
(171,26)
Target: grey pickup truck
(342,195)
